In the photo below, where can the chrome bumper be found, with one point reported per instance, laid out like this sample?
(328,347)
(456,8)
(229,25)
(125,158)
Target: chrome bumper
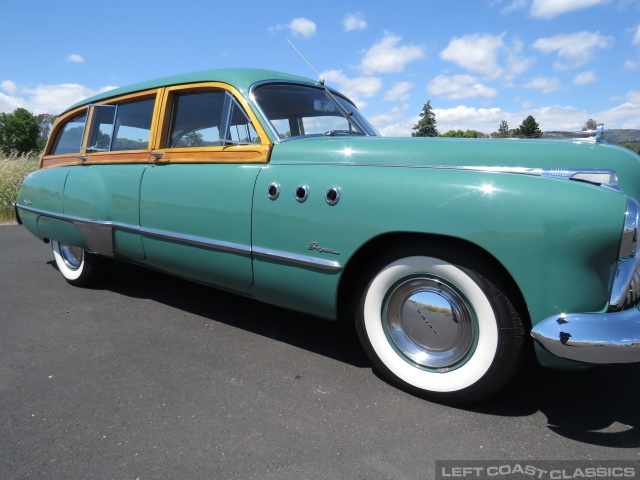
(592,337)
(612,337)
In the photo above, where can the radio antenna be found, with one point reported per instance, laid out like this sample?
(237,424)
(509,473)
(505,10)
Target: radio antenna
(306,61)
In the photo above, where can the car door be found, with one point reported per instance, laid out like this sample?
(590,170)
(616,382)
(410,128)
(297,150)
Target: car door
(102,189)
(196,197)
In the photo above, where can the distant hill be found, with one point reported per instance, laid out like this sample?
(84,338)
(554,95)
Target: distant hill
(616,135)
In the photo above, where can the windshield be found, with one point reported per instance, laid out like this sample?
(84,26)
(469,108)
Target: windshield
(300,110)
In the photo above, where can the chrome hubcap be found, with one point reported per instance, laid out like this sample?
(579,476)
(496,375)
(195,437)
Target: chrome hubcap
(72,256)
(430,322)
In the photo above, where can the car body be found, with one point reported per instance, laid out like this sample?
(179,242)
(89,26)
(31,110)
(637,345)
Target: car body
(448,254)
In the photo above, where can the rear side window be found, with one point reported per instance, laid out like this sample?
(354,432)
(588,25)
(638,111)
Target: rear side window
(70,137)
(208,118)
(125,126)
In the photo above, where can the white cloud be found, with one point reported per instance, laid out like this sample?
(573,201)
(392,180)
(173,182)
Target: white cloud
(585,78)
(456,87)
(514,5)
(544,84)
(383,119)
(8,86)
(298,26)
(476,53)
(636,37)
(45,98)
(481,54)
(75,58)
(631,65)
(399,92)
(354,21)
(549,9)
(303,27)
(387,57)
(354,88)
(573,49)
(550,118)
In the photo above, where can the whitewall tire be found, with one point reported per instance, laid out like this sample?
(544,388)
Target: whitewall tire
(434,325)
(79,267)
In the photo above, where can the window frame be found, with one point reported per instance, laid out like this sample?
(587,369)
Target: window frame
(229,152)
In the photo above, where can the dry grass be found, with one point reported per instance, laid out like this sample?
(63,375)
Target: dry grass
(13,169)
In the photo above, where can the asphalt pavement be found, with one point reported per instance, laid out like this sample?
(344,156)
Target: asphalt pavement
(150,376)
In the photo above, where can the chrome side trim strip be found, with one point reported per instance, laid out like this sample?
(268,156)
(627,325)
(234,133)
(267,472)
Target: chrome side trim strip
(297,259)
(189,239)
(199,241)
(537,172)
(196,240)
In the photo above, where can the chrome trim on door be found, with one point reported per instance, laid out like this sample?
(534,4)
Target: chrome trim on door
(297,259)
(196,240)
(102,229)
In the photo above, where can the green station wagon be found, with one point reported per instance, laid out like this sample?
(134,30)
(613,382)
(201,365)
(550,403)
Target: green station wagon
(450,256)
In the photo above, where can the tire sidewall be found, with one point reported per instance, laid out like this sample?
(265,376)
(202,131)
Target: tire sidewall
(68,273)
(441,382)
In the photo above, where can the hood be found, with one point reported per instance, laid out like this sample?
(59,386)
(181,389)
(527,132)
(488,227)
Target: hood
(464,152)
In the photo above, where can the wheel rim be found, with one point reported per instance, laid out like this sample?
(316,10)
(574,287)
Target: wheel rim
(72,256)
(430,323)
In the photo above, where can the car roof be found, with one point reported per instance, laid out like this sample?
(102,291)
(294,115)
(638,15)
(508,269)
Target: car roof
(240,78)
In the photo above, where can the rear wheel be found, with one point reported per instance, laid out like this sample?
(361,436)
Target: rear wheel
(79,267)
(435,324)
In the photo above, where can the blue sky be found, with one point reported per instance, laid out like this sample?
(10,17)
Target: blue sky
(479,62)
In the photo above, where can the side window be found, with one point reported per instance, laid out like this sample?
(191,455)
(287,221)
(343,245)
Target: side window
(208,118)
(240,127)
(195,119)
(125,126)
(70,136)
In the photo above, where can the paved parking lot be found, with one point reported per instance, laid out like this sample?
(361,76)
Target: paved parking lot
(150,376)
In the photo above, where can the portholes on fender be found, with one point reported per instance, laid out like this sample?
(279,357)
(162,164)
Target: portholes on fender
(302,193)
(273,191)
(332,196)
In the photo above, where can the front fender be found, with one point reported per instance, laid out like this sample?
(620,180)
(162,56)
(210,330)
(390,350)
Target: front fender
(558,239)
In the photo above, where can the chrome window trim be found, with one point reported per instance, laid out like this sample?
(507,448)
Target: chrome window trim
(292,258)
(265,120)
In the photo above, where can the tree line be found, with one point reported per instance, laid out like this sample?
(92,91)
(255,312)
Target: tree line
(23,132)
(426,127)
(529,128)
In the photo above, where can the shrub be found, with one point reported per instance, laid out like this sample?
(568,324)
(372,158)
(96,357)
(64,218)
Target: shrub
(13,168)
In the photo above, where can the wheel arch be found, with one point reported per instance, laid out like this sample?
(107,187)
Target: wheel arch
(352,277)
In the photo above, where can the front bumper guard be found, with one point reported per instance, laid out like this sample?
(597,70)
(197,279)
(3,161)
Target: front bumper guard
(612,337)
(592,337)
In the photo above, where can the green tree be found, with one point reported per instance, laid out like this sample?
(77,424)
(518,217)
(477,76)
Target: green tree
(426,126)
(45,122)
(590,124)
(18,131)
(453,133)
(631,146)
(503,130)
(529,128)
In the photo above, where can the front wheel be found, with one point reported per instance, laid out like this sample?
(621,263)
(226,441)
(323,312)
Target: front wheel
(434,325)
(79,267)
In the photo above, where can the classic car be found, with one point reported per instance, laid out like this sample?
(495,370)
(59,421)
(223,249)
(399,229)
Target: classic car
(448,255)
